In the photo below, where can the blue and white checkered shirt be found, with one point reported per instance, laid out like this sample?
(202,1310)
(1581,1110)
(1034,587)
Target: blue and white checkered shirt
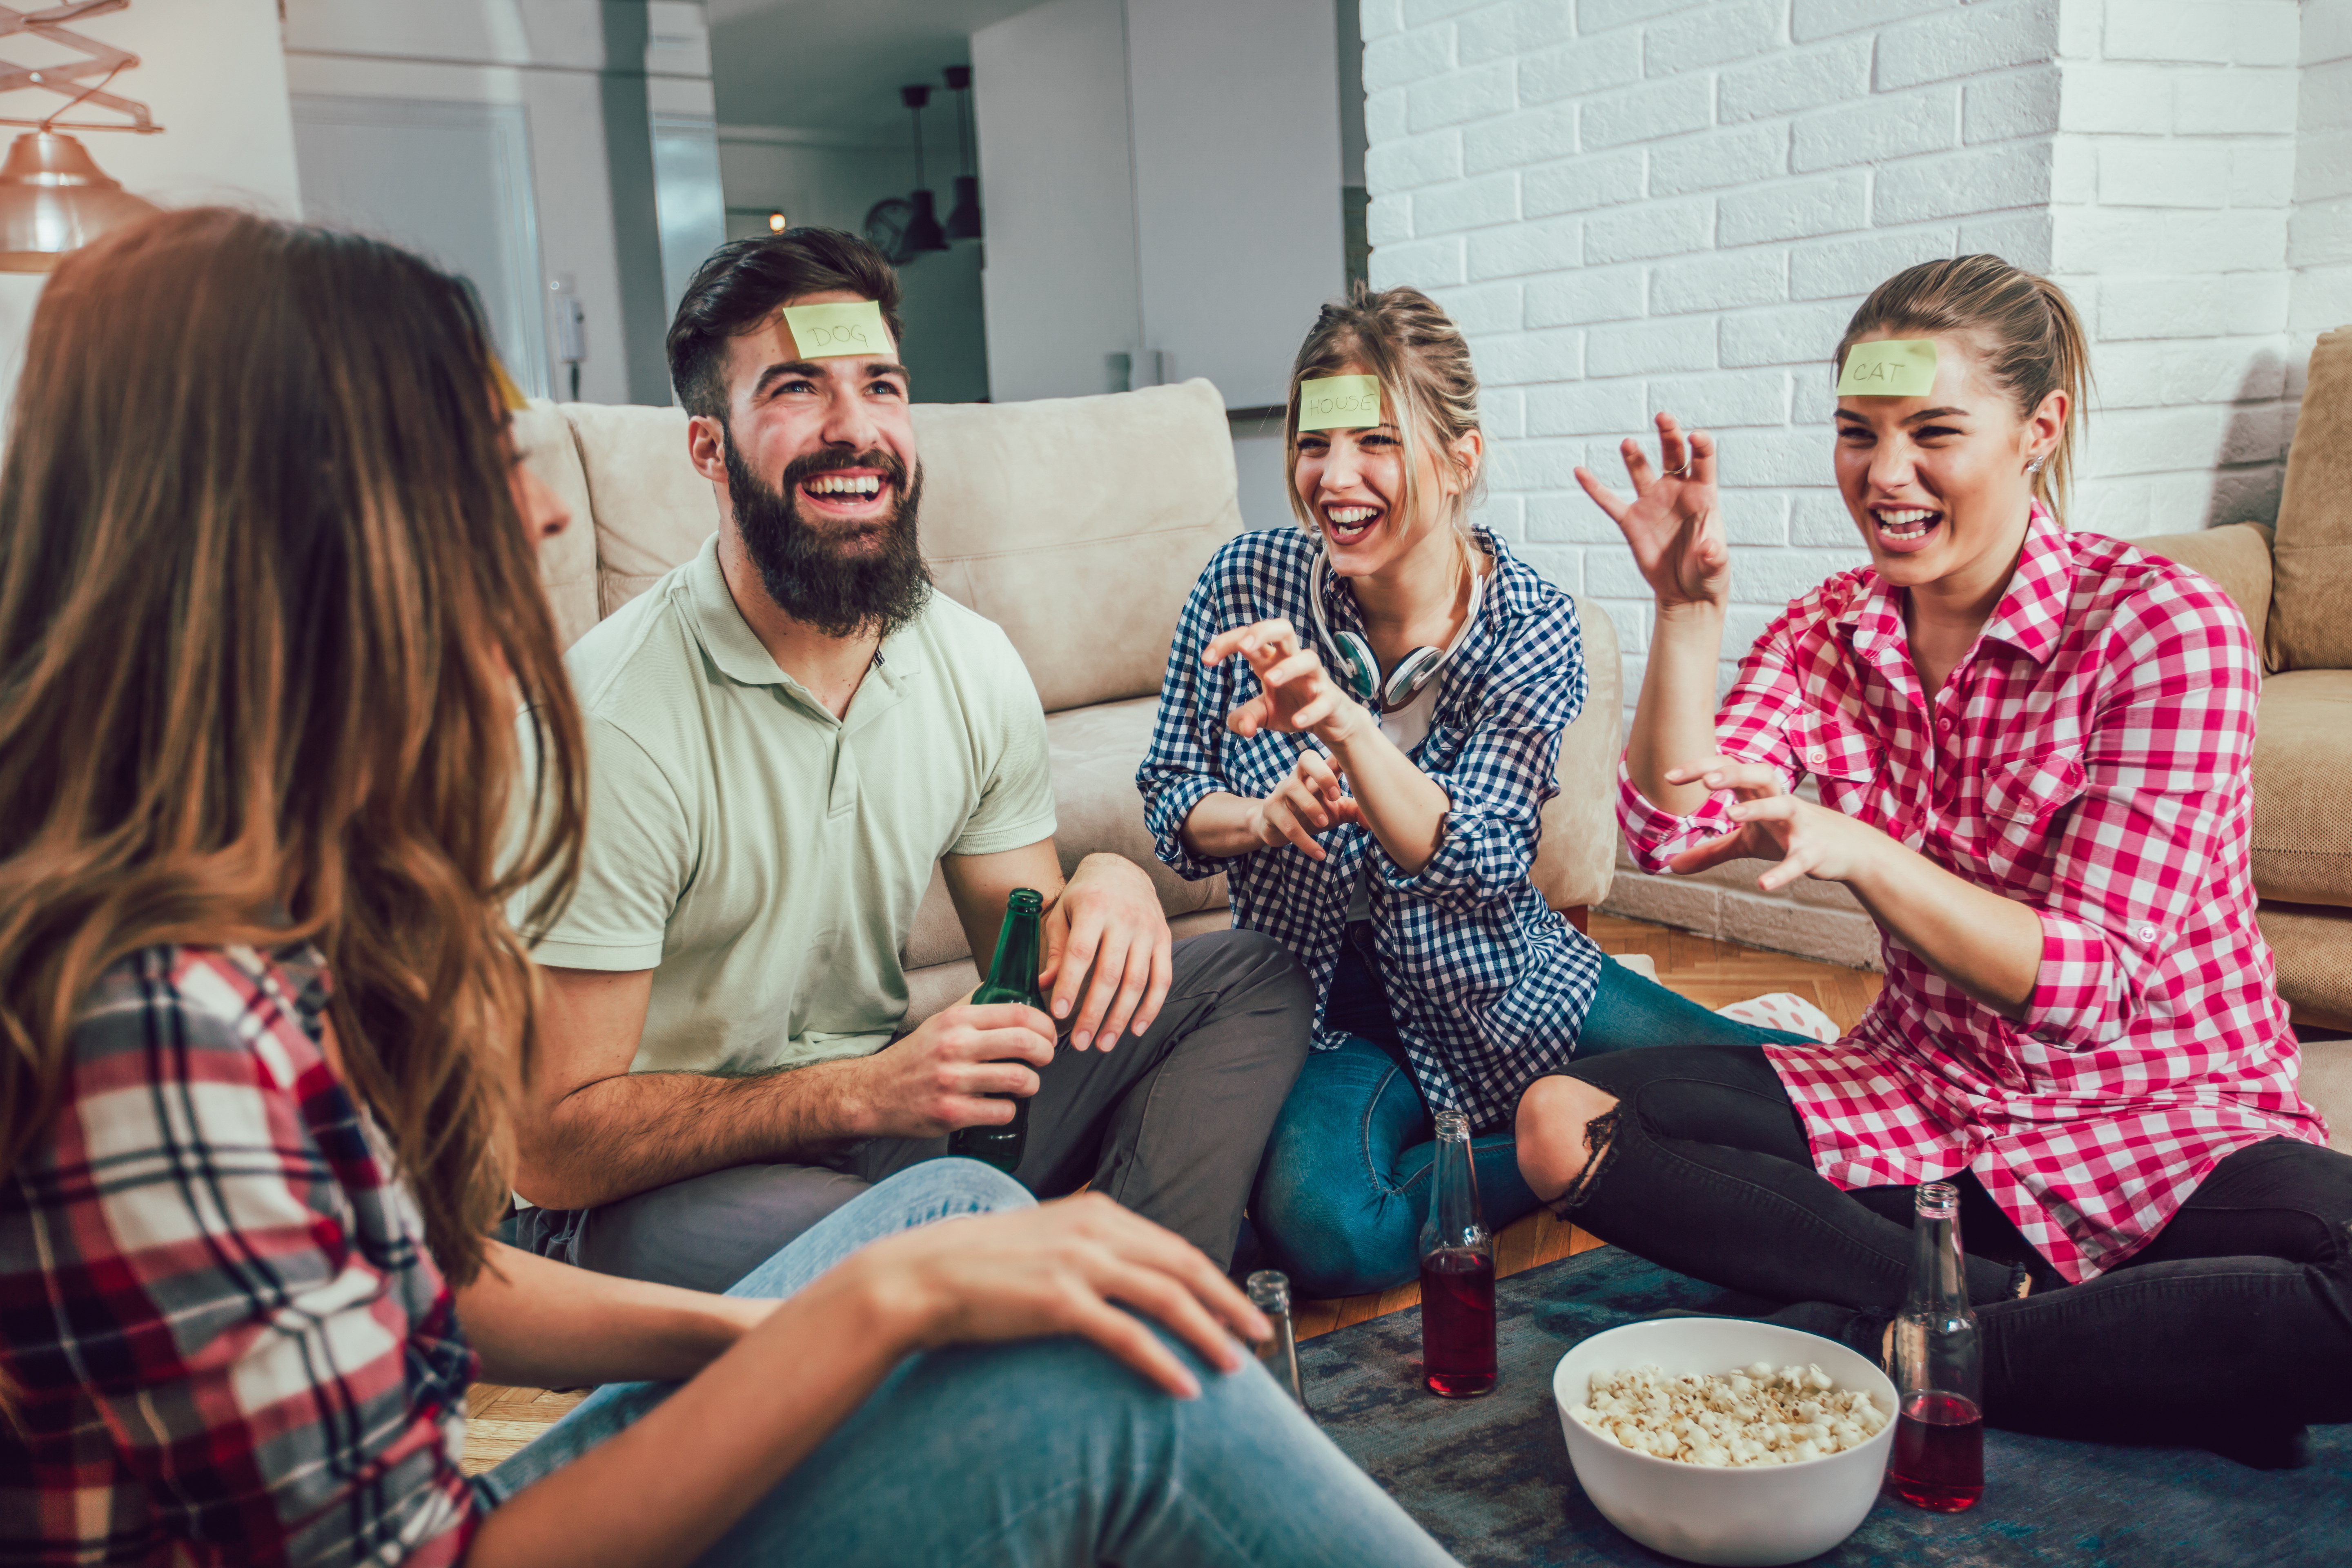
(1488,985)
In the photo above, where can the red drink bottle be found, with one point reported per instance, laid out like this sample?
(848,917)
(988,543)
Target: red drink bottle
(1938,1458)
(1457,1272)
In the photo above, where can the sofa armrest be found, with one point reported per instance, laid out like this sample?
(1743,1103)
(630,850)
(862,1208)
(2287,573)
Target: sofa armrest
(1577,858)
(2237,557)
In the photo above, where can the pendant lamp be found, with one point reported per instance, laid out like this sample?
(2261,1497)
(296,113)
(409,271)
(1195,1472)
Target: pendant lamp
(53,196)
(963,220)
(923,231)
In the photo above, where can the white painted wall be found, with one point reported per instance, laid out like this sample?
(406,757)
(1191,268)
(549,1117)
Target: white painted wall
(210,75)
(548,56)
(1237,175)
(1161,179)
(1057,189)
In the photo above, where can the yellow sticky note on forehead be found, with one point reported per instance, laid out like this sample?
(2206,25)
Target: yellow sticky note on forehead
(1339,402)
(828,332)
(1898,367)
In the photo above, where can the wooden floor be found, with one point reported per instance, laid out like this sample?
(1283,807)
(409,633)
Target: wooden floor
(1713,974)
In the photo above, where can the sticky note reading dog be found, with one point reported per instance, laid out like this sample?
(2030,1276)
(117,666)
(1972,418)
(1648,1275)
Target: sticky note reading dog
(829,332)
(1339,402)
(1898,367)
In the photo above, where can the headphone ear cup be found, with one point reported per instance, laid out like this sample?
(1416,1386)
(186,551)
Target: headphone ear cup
(1413,672)
(1361,670)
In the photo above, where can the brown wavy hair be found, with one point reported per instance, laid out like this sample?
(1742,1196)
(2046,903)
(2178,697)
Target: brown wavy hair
(2023,326)
(1400,336)
(266,616)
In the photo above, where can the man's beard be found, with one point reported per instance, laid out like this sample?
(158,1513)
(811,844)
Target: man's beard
(809,575)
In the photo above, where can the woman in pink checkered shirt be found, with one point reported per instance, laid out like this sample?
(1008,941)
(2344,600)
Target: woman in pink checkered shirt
(2031,750)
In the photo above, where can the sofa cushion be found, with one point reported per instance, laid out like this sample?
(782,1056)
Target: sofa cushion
(2309,942)
(1577,858)
(1096,807)
(2302,755)
(2236,558)
(567,564)
(2308,627)
(1078,524)
(652,510)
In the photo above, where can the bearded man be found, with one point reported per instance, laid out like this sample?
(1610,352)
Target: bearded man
(786,733)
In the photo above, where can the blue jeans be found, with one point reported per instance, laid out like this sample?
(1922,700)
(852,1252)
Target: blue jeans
(1344,1186)
(1047,1452)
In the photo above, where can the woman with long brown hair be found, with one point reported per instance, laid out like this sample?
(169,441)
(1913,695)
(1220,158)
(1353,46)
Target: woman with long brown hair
(267,605)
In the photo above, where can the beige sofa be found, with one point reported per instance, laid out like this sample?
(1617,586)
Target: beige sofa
(1077,524)
(2294,585)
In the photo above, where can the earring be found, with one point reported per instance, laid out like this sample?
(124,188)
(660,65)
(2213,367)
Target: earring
(2035,467)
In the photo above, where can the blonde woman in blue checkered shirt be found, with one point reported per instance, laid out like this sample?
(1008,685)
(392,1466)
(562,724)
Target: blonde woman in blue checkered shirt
(1359,726)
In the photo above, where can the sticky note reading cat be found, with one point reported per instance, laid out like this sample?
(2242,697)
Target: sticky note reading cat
(1899,368)
(828,332)
(1339,402)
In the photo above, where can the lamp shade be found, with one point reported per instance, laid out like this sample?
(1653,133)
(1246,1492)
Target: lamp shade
(55,198)
(923,231)
(964,219)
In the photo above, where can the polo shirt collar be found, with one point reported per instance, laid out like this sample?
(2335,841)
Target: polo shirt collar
(726,637)
(740,655)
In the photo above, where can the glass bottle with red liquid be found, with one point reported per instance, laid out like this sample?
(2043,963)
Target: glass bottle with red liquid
(1938,1460)
(1457,1272)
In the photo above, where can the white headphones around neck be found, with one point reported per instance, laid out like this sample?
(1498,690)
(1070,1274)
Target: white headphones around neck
(1360,667)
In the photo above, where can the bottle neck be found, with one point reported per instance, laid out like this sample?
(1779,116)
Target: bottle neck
(1456,1217)
(1938,1279)
(1014,968)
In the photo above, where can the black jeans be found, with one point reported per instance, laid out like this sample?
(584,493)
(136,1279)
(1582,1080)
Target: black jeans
(2240,1310)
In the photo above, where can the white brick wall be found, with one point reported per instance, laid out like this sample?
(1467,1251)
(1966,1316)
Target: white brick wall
(1636,205)
(2319,233)
(2173,180)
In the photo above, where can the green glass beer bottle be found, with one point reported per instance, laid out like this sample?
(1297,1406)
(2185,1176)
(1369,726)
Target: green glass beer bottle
(1012,978)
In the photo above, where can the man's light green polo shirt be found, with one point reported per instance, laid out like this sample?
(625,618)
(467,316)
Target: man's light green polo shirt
(764,858)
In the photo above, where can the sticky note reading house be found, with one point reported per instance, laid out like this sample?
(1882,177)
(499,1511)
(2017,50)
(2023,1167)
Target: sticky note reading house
(1339,402)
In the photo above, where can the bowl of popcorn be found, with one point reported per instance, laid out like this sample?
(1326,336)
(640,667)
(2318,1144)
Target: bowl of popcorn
(1719,1440)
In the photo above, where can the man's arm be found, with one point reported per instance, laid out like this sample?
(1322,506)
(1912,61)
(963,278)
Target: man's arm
(1106,919)
(591,1132)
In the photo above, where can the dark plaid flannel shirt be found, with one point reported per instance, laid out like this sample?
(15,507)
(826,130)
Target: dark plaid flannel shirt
(226,1339)
(1488,985)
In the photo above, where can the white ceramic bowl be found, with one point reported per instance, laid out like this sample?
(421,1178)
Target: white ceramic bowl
(1747,1515)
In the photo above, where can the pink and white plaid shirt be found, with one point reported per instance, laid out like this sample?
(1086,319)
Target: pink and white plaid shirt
(2088,759)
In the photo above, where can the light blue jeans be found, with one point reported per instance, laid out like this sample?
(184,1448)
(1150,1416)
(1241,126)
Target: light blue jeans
(1042,1453)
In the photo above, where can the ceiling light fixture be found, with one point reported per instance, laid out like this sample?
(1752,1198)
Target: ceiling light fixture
(923,231)
(964,219)
(53,196)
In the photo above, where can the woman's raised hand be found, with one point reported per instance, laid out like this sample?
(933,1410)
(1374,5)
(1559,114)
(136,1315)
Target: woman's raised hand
(1298,693)
(1673,520)
(1310,801)
(1805,840)
(1056,1270)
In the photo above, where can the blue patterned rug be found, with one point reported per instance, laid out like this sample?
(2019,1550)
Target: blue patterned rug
(1490,1478)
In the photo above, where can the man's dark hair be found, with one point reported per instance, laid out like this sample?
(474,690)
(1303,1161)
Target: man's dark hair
(741,285)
